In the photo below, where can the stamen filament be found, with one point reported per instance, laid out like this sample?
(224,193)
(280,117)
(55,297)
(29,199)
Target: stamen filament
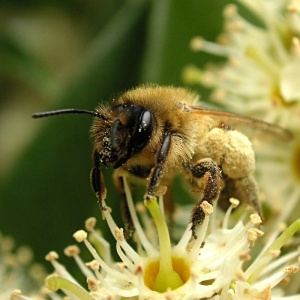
(127,248)
(201,232)
(140,232)
(124,258)
(185,238)
(103,265)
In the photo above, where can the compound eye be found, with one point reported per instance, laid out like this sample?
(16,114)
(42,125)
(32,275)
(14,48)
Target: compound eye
(131,131)
(144,129)
(146,120)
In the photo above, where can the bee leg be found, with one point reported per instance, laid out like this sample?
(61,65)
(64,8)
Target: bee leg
(97,180)
(210,175)
(161,158)
(128,224)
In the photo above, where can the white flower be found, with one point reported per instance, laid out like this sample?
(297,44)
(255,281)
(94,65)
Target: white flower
(18,271)
(211,266)
(260,77)
(261,73)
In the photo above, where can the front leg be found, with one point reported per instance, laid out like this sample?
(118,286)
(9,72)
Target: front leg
(97,180)
(157,170)
(207,176)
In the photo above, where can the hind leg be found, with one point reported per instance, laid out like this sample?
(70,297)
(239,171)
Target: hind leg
(205,176)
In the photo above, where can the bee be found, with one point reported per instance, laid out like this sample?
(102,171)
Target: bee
(151,133)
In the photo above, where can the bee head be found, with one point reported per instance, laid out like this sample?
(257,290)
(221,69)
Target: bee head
(126,132)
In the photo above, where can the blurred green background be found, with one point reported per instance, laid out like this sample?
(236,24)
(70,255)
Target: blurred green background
(61,54)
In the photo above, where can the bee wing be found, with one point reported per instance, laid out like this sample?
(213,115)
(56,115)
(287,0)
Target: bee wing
(248,124)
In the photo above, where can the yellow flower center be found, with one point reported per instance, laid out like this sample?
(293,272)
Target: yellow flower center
(166,271)
(180,267)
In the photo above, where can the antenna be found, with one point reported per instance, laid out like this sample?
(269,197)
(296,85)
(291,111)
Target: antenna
(68,111)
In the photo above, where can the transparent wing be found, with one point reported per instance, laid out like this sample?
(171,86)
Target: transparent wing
(249,125)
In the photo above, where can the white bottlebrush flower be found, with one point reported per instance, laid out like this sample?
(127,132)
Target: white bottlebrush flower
(261,73)
(260,77)
(18,271)
(209,267)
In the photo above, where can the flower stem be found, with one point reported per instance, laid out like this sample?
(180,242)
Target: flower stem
(166,277)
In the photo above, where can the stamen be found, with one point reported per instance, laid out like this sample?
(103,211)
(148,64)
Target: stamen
(90,224)
(93,265)
(112,226)
(140,232)
(196,43)
(52,257)
(119,234)
(252,235)
(275,277)
(102,245)
(73,251)
(270,268)
(182,244)
(234,204)
(202,229)
(80,237)
(245,255)
(92,284)
(256,219)
(124,258)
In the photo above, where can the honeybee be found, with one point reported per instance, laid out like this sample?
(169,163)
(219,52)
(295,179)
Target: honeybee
(151,133)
